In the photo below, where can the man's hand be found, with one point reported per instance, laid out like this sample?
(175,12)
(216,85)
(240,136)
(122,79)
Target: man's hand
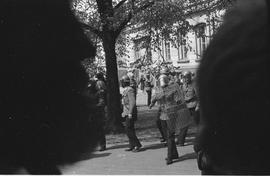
(130,116)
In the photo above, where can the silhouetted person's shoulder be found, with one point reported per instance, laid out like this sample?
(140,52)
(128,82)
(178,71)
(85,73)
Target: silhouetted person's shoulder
(43,115)
(233,85)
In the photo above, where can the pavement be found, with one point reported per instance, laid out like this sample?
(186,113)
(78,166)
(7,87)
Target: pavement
(149,161)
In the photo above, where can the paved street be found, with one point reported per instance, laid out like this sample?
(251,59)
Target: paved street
(151,160)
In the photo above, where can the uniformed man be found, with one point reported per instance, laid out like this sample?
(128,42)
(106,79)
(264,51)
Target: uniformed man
(190,94)
(161,124)
(130,114)
(173,112)
(191,101)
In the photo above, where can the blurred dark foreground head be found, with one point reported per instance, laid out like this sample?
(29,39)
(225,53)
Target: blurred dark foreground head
(233,81)
(43,115)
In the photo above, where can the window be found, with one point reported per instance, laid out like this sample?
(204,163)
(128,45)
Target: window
(200,39)
(182,48)
(168,51)
(136,51)
(142,48)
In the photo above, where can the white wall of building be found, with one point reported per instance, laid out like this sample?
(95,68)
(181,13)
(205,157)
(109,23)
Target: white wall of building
(177,56)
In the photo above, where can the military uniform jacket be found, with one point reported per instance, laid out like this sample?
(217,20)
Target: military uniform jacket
(190,95)
(173,107)
(129,102)
(148,84)
(170,99)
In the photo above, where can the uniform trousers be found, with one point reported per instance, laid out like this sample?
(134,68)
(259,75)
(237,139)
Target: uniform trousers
(102,139)
(162,126)
(183,132)
(131,134)
(100,121)
(172,150)
(149,96)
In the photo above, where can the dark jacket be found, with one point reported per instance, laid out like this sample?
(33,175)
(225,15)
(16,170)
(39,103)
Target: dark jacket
(190,95)
(129,102)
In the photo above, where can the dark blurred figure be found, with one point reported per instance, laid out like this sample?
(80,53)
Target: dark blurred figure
(141,82)
(101,104)
(177,79)
(96,104)
(130,114)
(44,118)
(233,82)
(133,82)
(148,87)
(101,82)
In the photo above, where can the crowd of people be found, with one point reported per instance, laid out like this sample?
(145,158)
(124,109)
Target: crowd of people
(176,98)
(177,102)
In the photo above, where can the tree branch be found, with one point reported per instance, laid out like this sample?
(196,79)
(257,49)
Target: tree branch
(123,24)
(119,4)
(130,15)
(145,6)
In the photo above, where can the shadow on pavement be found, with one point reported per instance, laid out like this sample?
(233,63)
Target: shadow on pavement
(145,147)
(98,155)
(154,146)
(89,155)
(186,157)
(118,146)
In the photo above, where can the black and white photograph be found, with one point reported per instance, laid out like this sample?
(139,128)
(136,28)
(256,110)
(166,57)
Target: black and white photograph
(134,87)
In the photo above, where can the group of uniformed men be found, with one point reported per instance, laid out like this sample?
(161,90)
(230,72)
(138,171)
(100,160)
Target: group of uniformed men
(171,95)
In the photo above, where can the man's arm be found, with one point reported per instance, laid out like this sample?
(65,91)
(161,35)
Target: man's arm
(154,100)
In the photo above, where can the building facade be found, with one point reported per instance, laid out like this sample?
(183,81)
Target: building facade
(187,52)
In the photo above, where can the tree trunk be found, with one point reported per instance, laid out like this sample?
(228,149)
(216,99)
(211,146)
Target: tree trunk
(113,94)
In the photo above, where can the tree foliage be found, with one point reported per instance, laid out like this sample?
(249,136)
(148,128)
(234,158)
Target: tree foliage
(159,19)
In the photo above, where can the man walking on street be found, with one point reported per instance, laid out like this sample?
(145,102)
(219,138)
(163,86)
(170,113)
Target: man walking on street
(130,114)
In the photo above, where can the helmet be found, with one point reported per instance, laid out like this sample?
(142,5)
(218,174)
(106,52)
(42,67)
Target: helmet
(125,79)
(164,70)
(163,80)
(99,75)
(187,74)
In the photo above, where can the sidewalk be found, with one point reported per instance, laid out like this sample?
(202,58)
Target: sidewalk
(151,160)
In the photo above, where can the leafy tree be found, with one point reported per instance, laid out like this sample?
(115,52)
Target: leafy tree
(106,19)
(158,19)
